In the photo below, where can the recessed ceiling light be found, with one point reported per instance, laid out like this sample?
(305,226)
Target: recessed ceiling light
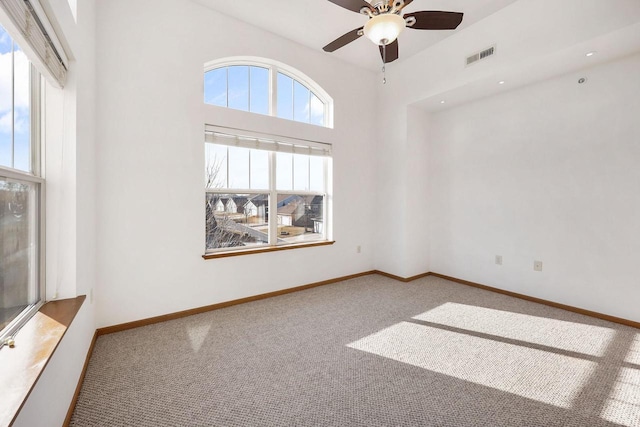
(591,53)
(442,102)
(501,82)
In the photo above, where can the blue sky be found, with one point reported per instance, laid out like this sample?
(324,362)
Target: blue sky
(242,81)
(248,90)
(249,169)
(14,105)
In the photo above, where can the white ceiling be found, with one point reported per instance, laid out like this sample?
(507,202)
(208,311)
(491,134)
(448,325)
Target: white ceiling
(315,23)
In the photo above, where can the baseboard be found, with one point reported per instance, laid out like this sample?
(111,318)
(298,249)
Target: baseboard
(401,279)
(74,400)
(204,309)
(198,310)
(578,310)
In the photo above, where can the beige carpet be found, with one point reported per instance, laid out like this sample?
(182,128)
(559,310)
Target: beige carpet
(369,352)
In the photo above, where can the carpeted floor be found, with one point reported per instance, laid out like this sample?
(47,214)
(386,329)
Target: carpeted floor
(369,352)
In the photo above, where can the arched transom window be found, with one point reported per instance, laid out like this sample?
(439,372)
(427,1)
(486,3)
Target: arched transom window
(266,87)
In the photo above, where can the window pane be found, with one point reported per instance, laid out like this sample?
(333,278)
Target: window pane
(316,173)
(300,103)
(5,41)
(317,111)
(238,167)
(300,218)
(215,167)
(22,116)
(236,220)
(215,87)
(18,248)
(259,170)
(284,171)
(259,90)
(300,172)
(285,97)
(239,87)
(6,102)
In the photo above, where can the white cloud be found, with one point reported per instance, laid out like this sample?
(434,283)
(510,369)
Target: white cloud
(5,123)
(21,122)
(4,37)
(317,107)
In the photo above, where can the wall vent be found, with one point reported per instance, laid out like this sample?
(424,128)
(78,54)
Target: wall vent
(481,55)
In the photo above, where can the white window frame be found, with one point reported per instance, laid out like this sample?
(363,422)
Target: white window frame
(34,176)
(288,145)
(274,68)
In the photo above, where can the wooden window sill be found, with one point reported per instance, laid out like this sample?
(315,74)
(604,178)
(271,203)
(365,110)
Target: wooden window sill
(265,249)
(36,341)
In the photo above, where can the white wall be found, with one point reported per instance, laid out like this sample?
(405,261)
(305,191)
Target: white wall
(150,58)
(532,50)
(417,216)
(548,172)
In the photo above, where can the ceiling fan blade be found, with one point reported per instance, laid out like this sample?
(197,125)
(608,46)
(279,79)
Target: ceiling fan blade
(343,40)
(406,3)
(353,5)
(391,53)
(435,20)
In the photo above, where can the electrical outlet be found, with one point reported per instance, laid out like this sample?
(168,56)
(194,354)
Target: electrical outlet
(91,295)
(358,249)
(499,259)
(537,265)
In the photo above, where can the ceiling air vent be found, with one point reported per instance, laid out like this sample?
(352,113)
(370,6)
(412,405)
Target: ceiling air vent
(481,55)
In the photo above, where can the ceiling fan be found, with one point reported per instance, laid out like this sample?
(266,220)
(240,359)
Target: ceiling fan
(386,23)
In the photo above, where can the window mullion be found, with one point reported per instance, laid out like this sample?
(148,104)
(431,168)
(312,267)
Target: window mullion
(36,95)
(273,201)
(13,105)
(309,104)
(325,205)
(227,159)
(273,91)
(249,88)
(293,99)
(309,173)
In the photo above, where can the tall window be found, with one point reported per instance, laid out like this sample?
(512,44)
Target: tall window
(21,191)
(266,88)
(264,192)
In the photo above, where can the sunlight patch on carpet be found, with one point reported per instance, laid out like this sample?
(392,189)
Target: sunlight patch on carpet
(634,351)
(560,334)
(543,376)
(197,334)
(623,406)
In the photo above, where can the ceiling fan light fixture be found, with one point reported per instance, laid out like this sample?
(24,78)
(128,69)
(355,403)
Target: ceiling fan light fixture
(384,28)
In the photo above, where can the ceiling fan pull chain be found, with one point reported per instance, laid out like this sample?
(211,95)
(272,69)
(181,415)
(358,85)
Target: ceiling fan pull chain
(384,64)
